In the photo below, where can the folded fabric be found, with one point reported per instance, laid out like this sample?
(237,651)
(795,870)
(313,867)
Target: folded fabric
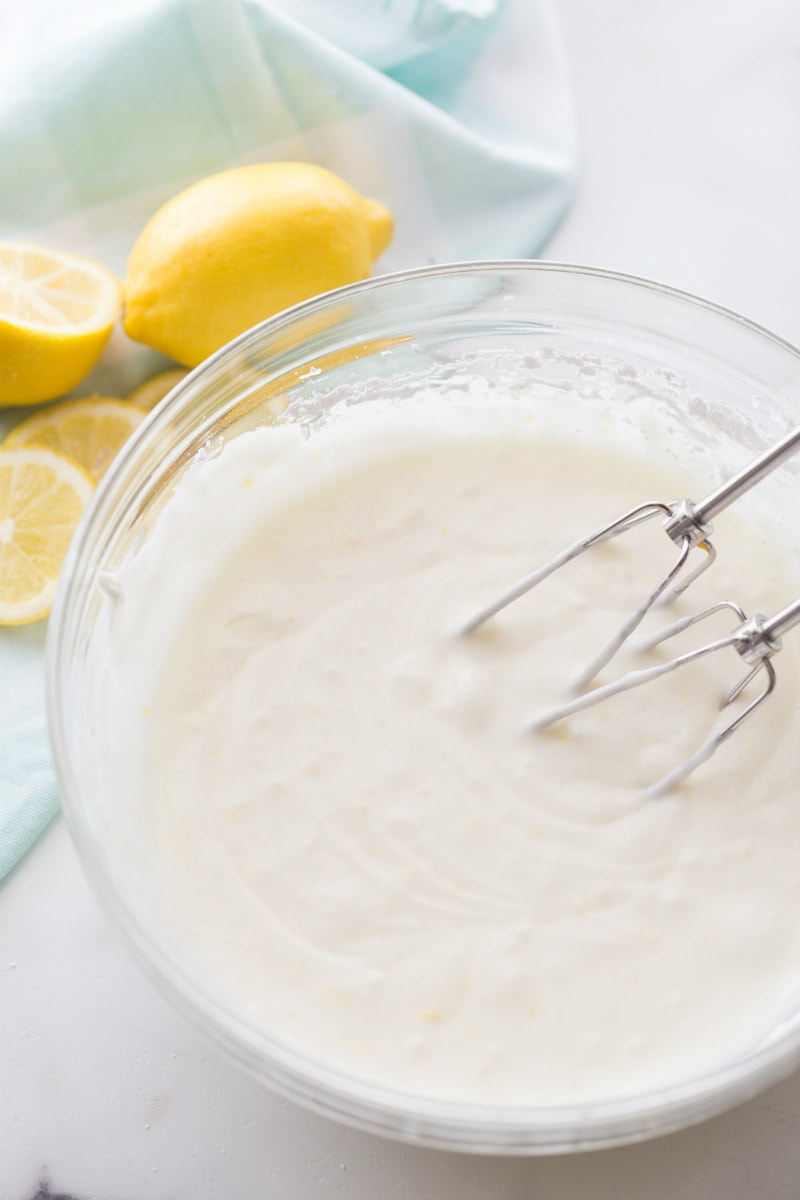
(454,113)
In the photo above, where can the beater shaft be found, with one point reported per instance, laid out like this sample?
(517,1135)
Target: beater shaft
(747,478)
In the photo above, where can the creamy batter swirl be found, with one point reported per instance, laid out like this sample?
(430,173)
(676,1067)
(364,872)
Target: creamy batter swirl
(368,854)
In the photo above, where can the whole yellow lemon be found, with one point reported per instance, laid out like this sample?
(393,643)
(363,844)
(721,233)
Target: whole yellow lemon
(238,247)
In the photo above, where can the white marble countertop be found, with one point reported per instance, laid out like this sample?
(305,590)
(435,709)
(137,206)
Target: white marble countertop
(690,123)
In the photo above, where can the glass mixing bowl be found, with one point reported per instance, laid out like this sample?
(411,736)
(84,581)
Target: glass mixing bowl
(723,387)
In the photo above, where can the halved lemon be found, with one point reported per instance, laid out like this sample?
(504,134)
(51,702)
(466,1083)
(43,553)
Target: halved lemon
(42,498)
(148,394)
(90,432)
(56,314)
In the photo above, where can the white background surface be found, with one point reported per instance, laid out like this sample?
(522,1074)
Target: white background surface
(690,124)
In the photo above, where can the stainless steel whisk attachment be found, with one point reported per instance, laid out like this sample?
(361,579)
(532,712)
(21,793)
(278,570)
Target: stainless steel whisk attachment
(757,639)
(687,523)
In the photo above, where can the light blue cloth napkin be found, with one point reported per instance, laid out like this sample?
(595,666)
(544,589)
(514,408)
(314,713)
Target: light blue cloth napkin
(454,113)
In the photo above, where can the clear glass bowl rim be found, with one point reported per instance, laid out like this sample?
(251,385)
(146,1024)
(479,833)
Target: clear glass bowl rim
(419,1119)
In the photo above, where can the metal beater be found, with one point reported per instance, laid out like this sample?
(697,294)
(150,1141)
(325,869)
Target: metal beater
(756,639)
(688,524)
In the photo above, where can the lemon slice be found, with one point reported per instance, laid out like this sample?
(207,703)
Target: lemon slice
(56,313)
(90,432)
(42,497)
(148,394)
